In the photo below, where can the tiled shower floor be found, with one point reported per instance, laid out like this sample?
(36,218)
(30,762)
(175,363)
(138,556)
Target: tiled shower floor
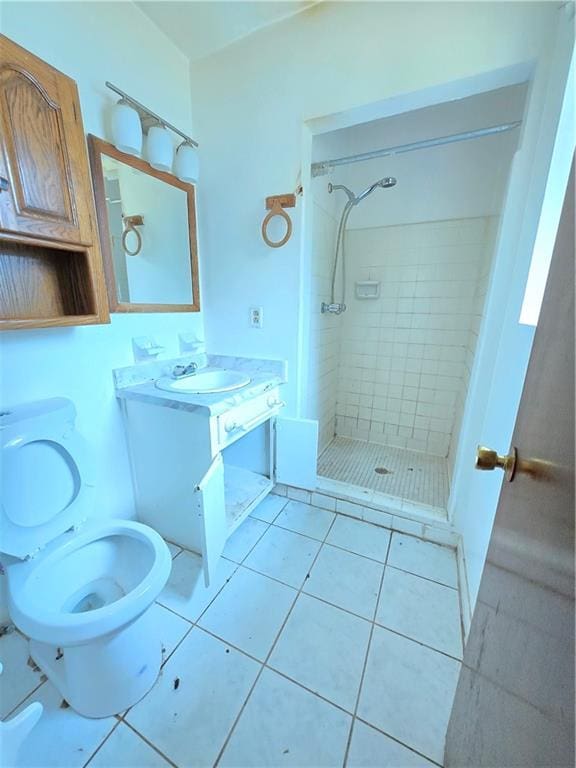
(408,474)
(326,641)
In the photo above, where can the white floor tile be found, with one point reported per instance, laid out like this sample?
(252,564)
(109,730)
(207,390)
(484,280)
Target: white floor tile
(61,737)
(345,579)
(249,612)
(283,555)
(185,592)
(17,679)
(305,519)
(359,537)
(424,559)
(370,748)
(408,691)
(172,628)
(284,725)
(189,722)
(323,648)
(244,538)
(421,609)
(125,749)
(269,508)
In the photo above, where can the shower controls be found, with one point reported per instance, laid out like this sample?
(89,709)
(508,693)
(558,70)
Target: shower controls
(334,308)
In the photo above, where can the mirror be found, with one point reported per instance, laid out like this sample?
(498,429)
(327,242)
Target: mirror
(147,223)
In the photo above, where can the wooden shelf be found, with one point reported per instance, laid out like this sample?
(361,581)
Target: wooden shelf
(42,286)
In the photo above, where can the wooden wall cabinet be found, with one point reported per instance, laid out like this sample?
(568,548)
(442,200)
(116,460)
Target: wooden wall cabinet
(50,262)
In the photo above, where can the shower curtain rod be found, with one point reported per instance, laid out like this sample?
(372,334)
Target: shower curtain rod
(321,168)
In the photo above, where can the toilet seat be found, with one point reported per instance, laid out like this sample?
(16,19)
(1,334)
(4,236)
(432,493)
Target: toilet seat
(88,583)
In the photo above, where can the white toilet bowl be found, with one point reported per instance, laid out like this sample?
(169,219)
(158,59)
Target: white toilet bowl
(82,596)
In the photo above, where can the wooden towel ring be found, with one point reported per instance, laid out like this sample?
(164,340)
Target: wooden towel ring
(276,210)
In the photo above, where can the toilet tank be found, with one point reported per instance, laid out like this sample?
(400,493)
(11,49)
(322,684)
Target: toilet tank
(45,487)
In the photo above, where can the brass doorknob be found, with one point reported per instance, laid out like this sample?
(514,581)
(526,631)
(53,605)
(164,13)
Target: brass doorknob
(486,459)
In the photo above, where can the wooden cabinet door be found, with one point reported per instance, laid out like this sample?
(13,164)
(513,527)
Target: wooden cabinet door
(45,182)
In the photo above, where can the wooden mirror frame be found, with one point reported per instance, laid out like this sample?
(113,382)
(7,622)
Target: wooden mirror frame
(98,147)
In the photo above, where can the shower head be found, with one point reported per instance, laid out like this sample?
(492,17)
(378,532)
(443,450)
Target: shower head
(387,181)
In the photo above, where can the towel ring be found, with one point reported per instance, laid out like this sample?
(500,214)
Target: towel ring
(130,223)
(276,210)
(125,234)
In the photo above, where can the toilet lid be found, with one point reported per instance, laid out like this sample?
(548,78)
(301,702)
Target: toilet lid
(44,492)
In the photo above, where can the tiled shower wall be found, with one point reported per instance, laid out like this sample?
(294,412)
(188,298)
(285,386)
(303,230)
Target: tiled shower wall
(405,357)
(325,329)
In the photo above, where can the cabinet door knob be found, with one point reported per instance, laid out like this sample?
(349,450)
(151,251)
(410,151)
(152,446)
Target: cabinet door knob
(4,184)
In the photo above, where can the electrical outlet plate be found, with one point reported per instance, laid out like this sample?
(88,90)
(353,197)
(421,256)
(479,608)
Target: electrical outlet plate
(256,317)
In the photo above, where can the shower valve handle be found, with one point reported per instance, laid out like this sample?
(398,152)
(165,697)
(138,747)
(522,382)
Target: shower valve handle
(335,309)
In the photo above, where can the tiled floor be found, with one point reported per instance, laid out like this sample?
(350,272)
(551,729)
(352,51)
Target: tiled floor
(326,641)
(408,475)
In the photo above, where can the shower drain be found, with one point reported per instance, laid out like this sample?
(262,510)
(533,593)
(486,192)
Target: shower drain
(382,471)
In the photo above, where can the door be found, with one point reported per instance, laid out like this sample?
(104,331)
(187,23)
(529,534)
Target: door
(296,452)
(44,180)
(210,506)
(514,703)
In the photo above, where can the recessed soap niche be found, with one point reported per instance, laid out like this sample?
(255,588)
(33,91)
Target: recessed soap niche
(367,289)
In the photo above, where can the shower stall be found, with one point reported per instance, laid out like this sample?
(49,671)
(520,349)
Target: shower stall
(400,273)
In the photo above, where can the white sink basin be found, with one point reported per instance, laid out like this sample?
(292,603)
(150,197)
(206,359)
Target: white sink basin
(205,382)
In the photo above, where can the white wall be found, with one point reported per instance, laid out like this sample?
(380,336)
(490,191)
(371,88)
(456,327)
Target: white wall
(95,42)
(252,100)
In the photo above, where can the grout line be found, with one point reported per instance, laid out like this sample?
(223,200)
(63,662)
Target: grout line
(239,715)
(366,657)
(402,743)
(425,578)
(305,535)
(33,691)
(418,642)
(150,744)
(104,740)
(260,537)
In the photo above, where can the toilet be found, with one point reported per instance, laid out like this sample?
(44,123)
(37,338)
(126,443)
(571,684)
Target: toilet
(80,589)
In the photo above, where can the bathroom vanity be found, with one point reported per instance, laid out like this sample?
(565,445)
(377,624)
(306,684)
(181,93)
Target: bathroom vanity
(201,462)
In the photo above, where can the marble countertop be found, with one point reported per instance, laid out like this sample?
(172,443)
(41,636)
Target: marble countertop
(138,382)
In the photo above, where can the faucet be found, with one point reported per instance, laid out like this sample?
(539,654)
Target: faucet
(179,371)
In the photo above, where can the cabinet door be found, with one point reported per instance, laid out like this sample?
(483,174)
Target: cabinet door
(45,186)
(210,506)
(296,452)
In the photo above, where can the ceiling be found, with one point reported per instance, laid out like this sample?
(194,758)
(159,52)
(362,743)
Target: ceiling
(201,28)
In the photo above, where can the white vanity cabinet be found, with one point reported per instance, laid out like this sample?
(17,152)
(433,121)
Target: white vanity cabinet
(198,475)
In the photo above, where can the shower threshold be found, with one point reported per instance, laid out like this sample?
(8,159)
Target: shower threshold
(387,478)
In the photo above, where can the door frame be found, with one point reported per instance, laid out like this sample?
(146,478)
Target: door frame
(510,266)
